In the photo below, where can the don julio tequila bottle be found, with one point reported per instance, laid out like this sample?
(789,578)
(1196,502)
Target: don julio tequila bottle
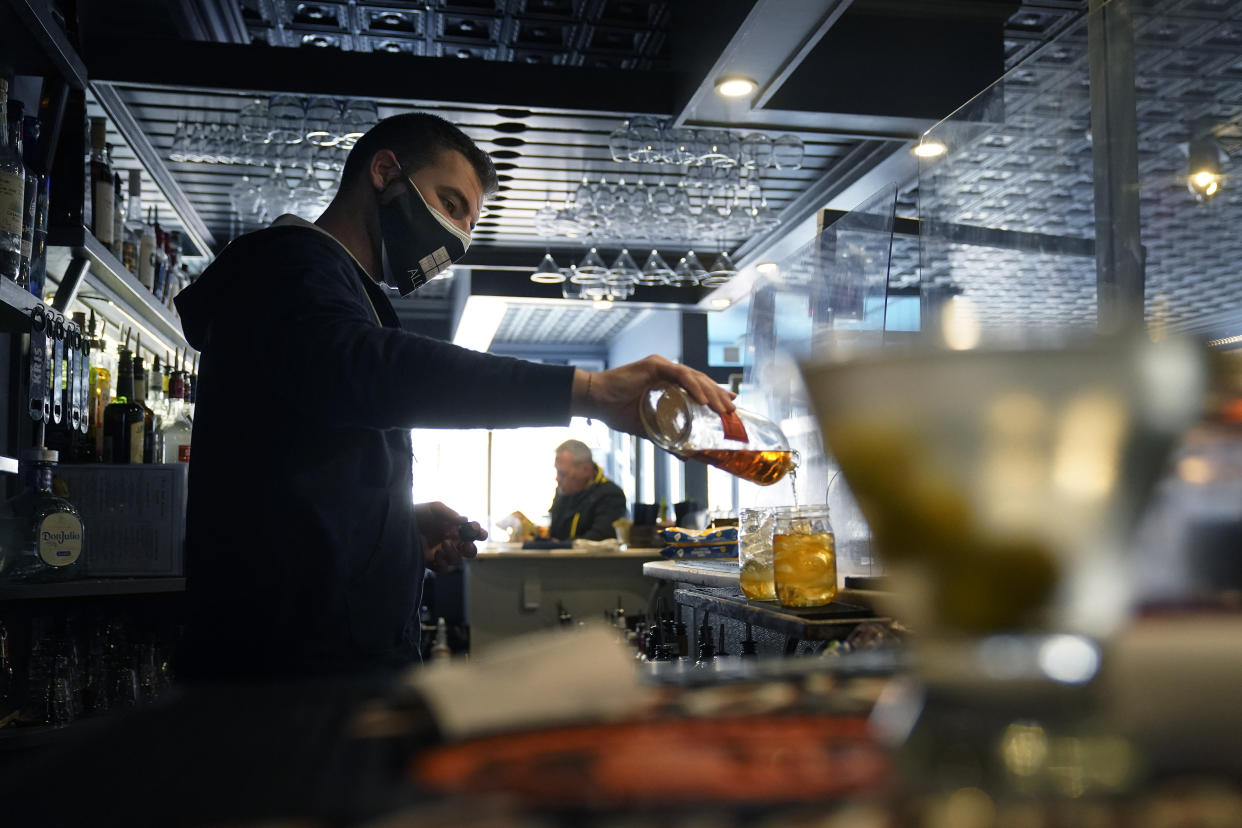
(40,532)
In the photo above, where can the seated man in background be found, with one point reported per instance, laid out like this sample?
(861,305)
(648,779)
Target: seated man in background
(586,502)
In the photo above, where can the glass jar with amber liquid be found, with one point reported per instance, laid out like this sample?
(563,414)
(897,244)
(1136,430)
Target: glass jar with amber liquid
(804,560)
(744,444)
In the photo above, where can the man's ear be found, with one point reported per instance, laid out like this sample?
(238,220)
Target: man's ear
(384,169)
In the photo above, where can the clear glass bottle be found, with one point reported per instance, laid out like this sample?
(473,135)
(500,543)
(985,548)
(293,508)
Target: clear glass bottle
(134,226)
(99,396)
(124,419)
(148,415)
(41,534)
(156,402)
(178,429)
(12,194)
(147,259)
(118,209)
(103,191)
(744,444)
(160,256)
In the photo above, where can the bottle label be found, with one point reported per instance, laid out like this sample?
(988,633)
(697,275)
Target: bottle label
(60,539)
(135,442)
(12,206)
(183,453)
(733,428)
(104,209)
(146,261)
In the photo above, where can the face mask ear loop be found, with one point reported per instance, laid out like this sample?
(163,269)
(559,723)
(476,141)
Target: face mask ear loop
(440,217)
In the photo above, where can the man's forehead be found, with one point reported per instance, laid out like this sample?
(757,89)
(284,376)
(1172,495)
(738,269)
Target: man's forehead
(459,172)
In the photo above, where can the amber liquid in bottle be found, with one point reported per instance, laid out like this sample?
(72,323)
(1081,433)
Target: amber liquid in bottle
(762,467)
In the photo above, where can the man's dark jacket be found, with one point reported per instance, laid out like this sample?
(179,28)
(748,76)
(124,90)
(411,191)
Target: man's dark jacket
(596,507)
(303,556)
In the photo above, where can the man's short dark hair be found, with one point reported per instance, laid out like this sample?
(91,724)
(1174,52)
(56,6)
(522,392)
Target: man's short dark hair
(417,138)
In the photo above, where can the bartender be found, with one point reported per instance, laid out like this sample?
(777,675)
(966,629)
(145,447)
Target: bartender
(305,551)
(586,502)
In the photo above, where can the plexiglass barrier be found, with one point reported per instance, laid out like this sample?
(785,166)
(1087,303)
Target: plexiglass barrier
(830,294)
(1006,203)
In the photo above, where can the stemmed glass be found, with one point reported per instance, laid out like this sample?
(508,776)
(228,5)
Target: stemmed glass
(591,270)
(655,271)
(179,150)
(288,118)
(357,118)
(547,273)
(323,119)
(254,122)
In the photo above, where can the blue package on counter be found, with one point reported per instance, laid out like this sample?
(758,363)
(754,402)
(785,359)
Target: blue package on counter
(727,550)
(676,536)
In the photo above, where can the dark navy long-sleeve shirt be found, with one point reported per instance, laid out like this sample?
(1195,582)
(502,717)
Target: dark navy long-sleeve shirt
(303,556)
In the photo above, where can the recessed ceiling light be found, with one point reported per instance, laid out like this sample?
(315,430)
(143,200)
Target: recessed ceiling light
(767,268)
(930,148)
(735,86)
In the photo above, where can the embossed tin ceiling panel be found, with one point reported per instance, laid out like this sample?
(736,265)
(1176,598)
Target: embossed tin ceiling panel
(618,34)
(1026,166)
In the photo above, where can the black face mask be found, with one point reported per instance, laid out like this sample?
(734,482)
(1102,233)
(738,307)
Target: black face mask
(417,241)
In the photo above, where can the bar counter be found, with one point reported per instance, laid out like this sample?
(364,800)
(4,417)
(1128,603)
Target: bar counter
(510,590)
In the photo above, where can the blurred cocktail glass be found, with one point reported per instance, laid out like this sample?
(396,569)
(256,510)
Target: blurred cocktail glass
(1001,485)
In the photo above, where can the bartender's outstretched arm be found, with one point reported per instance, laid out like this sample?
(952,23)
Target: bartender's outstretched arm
(613,395)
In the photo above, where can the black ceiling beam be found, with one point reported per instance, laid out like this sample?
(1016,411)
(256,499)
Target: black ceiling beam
(901,60)
(376,75)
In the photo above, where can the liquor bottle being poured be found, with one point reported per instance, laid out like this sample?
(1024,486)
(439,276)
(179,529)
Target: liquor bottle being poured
(744,444)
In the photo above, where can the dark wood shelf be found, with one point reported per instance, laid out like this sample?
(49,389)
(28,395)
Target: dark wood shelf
(829,623)
(91,587)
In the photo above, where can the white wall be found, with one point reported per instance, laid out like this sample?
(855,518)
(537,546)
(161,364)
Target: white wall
(655,332)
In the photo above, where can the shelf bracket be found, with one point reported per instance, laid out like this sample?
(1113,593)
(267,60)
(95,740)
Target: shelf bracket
(70,282)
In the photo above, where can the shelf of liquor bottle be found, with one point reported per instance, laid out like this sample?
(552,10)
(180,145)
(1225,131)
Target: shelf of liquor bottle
(91,587)
(15,305)
(35,43)
(109,278)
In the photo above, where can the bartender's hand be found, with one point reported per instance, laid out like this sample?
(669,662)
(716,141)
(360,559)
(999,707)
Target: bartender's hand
(447,536)
(613,395)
